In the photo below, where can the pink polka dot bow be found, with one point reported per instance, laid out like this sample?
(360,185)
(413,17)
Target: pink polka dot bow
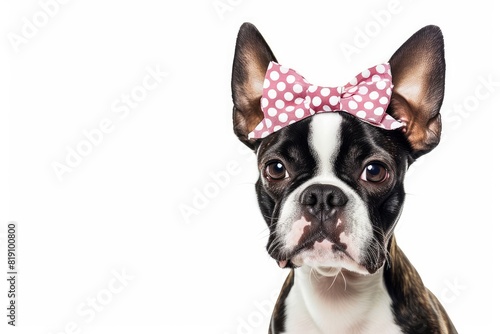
(287,98)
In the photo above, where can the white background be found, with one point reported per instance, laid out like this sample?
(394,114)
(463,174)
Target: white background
(119,209)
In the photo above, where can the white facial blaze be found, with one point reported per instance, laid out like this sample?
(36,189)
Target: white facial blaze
(325,139)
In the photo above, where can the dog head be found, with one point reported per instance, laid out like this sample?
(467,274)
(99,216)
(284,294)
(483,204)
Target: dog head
(331,185)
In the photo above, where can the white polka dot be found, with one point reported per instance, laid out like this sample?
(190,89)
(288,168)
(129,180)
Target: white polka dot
(264,102)
(251,135)
(297,88)
(353,105)
(299,100)
(283,118)
(312,89)
(288,96)
(272,112)
(290,108)
(259,126)
(365,74)
(363,90)
(267,83)
(290,79)
(274,75)
(368,105)
(380,68)
(277,128)
(378,111)
(281,86)
(334,100)
(361,114)
(354,81)
(271,65)
(264,134)
(291,122)
(280,104)
(389,91)
(284,69)
(340,90)
(325,91)
(326,107)
(381,85)
(272,94)
(307,102)
(316,101)
(374,95)
(383,100)
(269,123)
(358,98)
(299,113)
(376,78)
(352,90)
(395,125)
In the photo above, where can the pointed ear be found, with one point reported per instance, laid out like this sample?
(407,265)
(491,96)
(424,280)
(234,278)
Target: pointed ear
(418,71)
(251,59)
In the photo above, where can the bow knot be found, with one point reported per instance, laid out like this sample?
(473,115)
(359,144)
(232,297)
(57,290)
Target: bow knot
(287,98)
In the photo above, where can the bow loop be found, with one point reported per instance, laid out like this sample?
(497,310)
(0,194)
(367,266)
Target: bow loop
(287,97)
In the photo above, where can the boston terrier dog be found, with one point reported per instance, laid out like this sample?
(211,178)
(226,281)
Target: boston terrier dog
(332,162)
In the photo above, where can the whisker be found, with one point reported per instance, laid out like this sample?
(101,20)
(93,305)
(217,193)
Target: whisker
(381,246)
(315,273)
(345,281)
(311,273)
(333,281)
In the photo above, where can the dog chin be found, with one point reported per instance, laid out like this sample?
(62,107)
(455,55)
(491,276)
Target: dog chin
(328,263)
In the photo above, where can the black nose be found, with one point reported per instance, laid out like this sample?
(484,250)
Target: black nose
(321,200)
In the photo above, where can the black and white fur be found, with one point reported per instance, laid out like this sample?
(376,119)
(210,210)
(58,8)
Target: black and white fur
(331,191)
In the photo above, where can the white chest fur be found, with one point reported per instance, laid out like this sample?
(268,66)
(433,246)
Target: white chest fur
(330,301)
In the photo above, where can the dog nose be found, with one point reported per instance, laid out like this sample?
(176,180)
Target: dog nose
(321,200)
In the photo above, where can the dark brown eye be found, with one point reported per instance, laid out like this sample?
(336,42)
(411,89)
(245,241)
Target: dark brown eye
(374,172)
(275,171)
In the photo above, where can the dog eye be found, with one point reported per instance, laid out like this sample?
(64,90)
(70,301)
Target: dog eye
(374,172)
(275,170)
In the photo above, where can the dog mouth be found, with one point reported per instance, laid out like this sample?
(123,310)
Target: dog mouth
(337,248)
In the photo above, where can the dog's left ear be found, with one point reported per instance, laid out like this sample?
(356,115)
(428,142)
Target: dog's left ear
(418,71)
(251,59)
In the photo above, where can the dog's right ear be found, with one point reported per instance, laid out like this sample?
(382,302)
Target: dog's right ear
(418,72)
(251,59)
